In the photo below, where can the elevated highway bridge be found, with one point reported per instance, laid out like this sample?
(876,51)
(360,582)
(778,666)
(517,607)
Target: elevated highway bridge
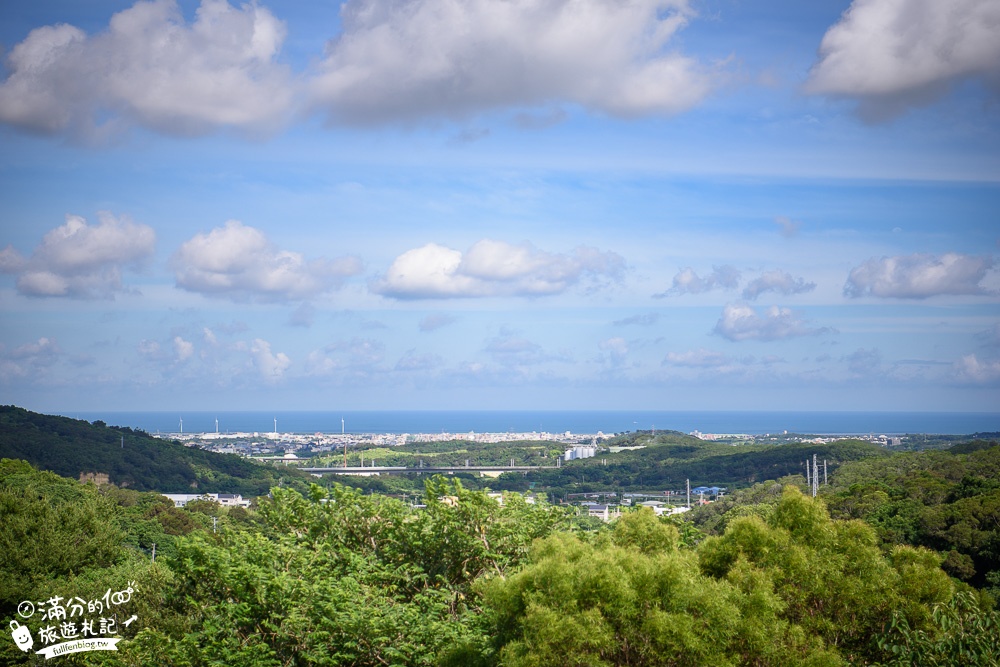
(484,471)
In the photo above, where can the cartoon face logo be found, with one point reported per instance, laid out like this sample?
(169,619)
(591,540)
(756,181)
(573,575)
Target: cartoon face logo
(21,635)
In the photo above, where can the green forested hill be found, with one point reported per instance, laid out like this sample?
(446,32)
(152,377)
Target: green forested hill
(671,458)
(69,447)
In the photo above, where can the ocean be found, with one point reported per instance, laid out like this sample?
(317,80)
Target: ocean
(519,421)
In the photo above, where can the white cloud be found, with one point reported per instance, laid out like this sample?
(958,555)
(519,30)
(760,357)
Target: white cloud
(891,54)
(43,348)
(776,281)
(148,348)
(493,268)
(970,369)
(151,68)
(28,360)
(700,358)
(740,322)
(79,260)
(270,366)
(688,282)
(240,263)
(408,59)
(183,349)
(435,321)
(918,276)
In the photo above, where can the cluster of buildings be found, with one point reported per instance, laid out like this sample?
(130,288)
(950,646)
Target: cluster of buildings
(264,443)
(741,438)
(608,505)
(224,499)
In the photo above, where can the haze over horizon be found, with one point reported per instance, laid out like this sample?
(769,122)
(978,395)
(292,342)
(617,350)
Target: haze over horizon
(534,204)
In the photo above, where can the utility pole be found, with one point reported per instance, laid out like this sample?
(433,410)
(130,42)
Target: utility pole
(824,473)
(154,552)
(689,493)
(815,485)
(215,519)
(808,482)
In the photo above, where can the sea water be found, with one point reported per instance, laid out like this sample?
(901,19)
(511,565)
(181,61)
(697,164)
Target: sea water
(521,421)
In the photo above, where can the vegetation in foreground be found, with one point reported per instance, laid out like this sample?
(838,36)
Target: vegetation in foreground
(336,577)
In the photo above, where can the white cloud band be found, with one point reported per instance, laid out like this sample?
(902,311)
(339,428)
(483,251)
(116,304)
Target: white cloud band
(493,268)
(918,276)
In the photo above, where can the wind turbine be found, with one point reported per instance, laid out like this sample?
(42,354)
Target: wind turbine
(182,425)
(216,426)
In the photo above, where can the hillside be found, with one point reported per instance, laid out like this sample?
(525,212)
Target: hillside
(670,458)
(131,458)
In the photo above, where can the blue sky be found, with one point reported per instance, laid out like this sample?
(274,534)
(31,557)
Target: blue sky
(472,204)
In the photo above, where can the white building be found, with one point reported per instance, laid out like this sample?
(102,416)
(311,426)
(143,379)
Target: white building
(580,452)
(224,499)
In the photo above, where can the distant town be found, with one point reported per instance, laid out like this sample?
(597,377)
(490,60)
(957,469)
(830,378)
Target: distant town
(294,446)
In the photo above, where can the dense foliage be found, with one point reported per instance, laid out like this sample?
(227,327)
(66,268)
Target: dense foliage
(948,501)
(337,577)
(131,458)
(669,459)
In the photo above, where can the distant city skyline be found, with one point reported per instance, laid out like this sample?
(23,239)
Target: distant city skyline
(531,204)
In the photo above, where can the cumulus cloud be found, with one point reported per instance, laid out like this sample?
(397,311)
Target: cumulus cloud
(80,260)
(43,348)
(28,359)
(892,54)
(970,369)
(918,276)
(776,281)
(688,282)
(493,268)
(700,358)
(400,60)
(183,349)
(240,263)
(151,68)
(740,322)
(435,321)
(148,348)
(271,366)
